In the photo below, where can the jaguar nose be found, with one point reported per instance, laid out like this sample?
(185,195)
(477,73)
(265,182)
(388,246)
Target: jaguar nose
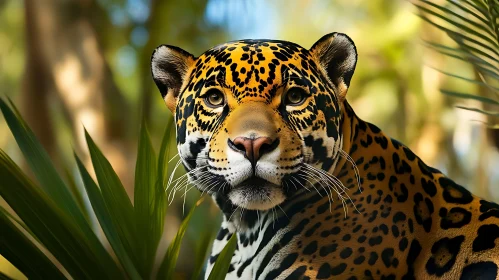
(253,148)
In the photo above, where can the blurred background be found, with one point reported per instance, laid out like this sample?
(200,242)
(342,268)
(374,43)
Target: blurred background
(69,63)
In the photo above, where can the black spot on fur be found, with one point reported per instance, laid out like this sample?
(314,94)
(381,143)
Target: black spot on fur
(310,248)
(455,218)
(399,217)
(299,273)
(488,209)
(422,211)
(486,237)
(286,263)
(311,231)
(388,277)
(429,187)
(414,252)
(359,260)
(324,271)
(374,128)
(375,240)
(373,216)
(403,244)
(373,257)
(345,253)
(222,233)
(387,257)
(480,271)
(444,254)
(195,148)
(400,165)
(454,193)
(328,249)
(339,269)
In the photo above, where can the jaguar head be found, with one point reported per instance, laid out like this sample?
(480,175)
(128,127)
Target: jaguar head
(257,119)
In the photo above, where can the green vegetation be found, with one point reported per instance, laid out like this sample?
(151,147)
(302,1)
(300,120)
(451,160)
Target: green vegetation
(473,25)
(51,218)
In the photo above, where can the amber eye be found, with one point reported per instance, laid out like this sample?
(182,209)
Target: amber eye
(214,98)
(295,96)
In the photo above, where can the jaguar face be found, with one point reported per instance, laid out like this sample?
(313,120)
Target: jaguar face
(255,118)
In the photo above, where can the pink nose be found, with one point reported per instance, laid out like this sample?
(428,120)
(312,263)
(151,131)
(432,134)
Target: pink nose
(253,148)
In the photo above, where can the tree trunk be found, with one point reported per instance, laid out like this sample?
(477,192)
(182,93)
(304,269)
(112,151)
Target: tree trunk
(64,57)
(36,85)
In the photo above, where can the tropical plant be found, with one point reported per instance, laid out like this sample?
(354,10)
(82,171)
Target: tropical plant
(474,26)
(51,236)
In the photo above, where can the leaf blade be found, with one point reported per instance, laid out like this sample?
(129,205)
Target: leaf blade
(479,83)
(52,186)
(115,197)
(169,262)
(23,254)
(454,36)
(469,96)
(41,165)
(55,230)
(105,220)
(483,66)
(221,266)
(202,252)
(464,19)
(146,202)
(462,27)
(488,113)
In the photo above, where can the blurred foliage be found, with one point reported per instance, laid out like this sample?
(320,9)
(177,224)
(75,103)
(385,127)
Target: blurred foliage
(395,85)
(52,218)
(473,26)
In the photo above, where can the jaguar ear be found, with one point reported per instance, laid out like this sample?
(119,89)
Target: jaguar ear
(337,55)
(169,67)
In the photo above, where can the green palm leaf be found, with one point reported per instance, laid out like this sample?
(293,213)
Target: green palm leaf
(170,259)
(202,252)
(42,167)
(115,197)
(470,96)
(485,112)
(53,213)
(223,260)
(473,26)
(149,203)
(106,221)
(483,66)
(52,193)
(19,250)
(55,230)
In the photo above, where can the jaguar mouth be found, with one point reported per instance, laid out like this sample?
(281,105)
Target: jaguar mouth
(256,194)
(254,182)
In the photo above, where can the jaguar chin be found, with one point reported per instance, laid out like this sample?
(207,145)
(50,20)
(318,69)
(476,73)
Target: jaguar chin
(256,194)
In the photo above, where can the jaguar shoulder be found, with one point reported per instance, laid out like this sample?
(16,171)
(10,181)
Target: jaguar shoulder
(311,190)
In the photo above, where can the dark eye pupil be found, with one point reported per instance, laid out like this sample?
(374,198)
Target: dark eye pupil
(214,98)
(295,96)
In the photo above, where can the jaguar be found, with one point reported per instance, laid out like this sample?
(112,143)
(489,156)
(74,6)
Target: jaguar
(310,189)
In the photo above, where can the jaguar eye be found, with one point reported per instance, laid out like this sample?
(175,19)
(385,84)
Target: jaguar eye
(295,96)
(214,98)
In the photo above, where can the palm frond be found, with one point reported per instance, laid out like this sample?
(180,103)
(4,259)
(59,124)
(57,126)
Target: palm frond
(52,216)
(473,26)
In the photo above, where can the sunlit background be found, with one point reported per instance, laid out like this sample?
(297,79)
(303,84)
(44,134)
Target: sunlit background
(86,62)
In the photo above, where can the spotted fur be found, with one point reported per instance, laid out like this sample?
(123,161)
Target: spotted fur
(332,196)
